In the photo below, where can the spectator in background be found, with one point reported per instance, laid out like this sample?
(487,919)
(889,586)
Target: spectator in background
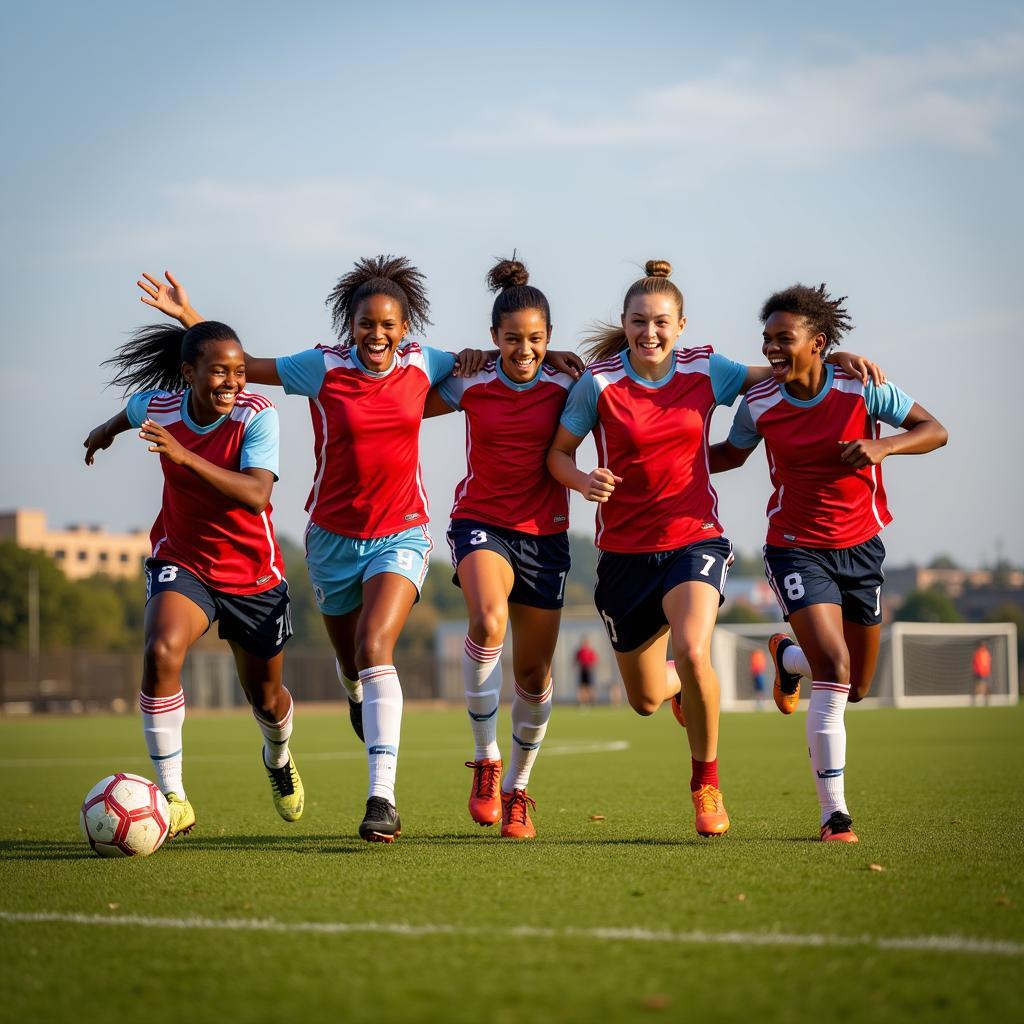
(981,666)
(586,661)
(758,663)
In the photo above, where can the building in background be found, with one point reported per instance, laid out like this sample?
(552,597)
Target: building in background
(79,550)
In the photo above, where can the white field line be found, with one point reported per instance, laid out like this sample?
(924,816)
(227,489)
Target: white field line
(916,943)
(555,750)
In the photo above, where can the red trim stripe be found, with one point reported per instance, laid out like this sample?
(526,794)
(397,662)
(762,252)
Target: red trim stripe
(534,698)
(481,654)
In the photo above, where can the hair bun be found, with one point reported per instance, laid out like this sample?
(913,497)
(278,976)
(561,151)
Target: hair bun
(507,274)
(658,268)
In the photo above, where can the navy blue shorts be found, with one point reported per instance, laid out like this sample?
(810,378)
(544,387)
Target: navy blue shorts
(849,577)
(540,564)
(630,588)
(259,623)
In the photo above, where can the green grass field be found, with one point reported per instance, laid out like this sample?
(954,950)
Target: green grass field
(629,917)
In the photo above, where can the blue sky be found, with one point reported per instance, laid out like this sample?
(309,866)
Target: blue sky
(256,151)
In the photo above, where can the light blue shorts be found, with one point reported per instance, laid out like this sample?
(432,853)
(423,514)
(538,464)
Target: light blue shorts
(339,566)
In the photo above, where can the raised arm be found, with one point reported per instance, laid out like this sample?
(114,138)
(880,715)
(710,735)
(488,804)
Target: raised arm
(594,486)
(102,437)
(922,433)
(172,299)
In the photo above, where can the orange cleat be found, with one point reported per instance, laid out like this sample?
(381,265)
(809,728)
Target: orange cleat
(677,709)
(711,817)
(786,690)
(515,815)
(837,829)
(484,802)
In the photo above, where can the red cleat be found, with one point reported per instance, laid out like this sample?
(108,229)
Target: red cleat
(515,815)
(677,709)
(837,829)
(484,799)
(711,817)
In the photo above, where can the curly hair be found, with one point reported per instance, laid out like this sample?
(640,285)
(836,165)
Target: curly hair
(393,276)
(606,340)
(153,356)
(511,280)
(824,315)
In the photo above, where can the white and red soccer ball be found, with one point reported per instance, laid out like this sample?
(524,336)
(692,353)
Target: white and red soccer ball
(125,815)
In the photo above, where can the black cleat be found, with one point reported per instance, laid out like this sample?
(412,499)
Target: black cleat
(838,829)
(355,716)
(381,823)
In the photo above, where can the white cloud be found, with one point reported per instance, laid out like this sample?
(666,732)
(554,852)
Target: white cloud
(949,99)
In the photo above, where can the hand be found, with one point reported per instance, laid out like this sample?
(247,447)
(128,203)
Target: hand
(864,452)
(600,484)
(469,362)
(565,362)
(161,441)
(99,439)
(859,366)
(168,298)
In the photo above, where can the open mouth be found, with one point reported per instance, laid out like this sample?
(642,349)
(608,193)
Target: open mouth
(649,346)
(224,397)
(376,351)
(780,367)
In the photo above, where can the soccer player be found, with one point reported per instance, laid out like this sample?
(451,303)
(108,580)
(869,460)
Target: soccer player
(214,553)
(367,542)
(663,559)
(823,555)
(509,543)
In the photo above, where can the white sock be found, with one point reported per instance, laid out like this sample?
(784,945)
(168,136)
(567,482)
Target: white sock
(162,720)
(353,687)
(530,714)
(382,727)
(826,743)
(275,736)
(481,676)
(794,660)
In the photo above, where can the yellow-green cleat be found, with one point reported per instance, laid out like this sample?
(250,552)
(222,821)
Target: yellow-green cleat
(183,815)
(286,787)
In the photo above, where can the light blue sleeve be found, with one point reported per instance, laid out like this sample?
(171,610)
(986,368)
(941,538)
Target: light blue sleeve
(261,442)
(302,373)
(743,433)
(451,391)
(727,378)
(138,405)
(439,364)
(888,403)
(579,416)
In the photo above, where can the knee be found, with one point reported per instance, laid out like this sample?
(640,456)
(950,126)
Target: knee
(263,698)
(644,705)
(692,658)
(373,649)
(487,627)
(164,655)
(533,678)
(833,664)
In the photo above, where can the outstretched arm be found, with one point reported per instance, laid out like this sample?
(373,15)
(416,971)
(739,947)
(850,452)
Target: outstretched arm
(594,486)
(922,433)
(250,487)
(102,437)
(172,299)
(725,456)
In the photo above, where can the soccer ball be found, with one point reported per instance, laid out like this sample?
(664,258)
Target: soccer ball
(125,815)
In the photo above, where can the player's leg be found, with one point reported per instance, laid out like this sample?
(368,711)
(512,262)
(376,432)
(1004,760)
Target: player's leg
(534,636)
(643,673)
(486,579)
(862,642)
(860,579)
(341,629)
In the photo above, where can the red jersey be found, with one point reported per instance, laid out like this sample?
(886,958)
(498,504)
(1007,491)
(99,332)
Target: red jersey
(509,429)
(654,434)
(228,547)
(366,429)
(819,501)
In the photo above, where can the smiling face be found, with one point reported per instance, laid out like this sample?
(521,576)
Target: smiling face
(378,328)
(522,339)
(652,323)
(792,347)
(216,379)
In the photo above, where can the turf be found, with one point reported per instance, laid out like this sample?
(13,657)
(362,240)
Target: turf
(937,797)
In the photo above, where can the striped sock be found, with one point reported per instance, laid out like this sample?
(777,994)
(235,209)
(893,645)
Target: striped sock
(481,677)
(530,714)
(794,660)
(382,727)
(826,743)
(162,721)
(276,735)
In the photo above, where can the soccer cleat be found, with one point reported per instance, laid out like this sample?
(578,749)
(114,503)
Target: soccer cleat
(183,816)
(355,716)
(837,829)
(786,690)
(515,815)
(711,817)
(484,799)
(381,823)
(677,708)
(286,788)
